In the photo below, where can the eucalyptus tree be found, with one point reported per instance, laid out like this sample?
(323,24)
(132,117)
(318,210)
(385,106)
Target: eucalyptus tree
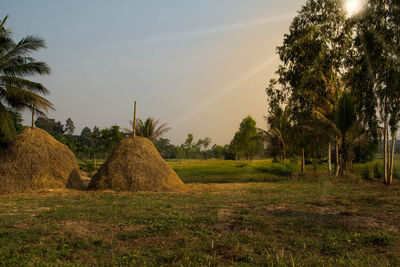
(313,56)
(375,71)
(16,91)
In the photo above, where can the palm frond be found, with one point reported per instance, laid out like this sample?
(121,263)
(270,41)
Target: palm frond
(19,98)
(24,84)
(321,117)
(27,45)
(19,69)
(3,21)
(6,123)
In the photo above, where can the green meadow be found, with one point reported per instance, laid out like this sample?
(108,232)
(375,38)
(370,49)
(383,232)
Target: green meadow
(227,214)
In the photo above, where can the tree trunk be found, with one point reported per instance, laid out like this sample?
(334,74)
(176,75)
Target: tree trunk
(303,160)
(391,166)
(344,158)
(337,162)
(385,153)
(329,157)
(284,152)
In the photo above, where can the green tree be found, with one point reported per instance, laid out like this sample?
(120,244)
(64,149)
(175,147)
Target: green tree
(69,126)
(17,120)
(165,148)
(313,56)
(278,133)
(111,137)
(218,151)
(55,129)
(188,145)
(247,140)
(375,71)
(17,92)
(85,141)
(95,140)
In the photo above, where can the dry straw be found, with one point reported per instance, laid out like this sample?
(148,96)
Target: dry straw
(35,160)
(135,165)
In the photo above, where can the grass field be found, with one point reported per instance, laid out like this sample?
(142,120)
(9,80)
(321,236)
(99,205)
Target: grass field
(271,218)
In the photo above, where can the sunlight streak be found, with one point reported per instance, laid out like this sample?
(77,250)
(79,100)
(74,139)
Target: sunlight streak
(213,30)
(260,68)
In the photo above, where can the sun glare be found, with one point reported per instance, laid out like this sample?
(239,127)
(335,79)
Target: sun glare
(352,7)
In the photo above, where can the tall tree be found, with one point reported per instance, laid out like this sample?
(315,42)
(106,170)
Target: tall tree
(247,140)
(188,145)
(16,91)
(69,126)
(313,56)
(375,71)
(95,139)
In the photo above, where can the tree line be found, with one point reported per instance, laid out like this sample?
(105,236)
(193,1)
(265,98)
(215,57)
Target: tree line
(337,91)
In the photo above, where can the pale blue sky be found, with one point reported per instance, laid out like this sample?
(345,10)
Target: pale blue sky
(201,66)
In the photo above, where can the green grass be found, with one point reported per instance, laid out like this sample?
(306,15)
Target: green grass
(289,220)
(228,171)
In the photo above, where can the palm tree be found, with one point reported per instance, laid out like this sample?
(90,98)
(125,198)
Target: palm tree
(149,129)
(279,129)
(348,131)
(15,90)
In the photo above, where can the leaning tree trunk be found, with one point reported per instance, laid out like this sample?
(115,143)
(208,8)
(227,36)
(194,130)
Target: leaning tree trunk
(391,164)
(303,160)
(329,157)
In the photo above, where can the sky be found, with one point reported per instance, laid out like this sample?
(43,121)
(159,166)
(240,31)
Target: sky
(201,66)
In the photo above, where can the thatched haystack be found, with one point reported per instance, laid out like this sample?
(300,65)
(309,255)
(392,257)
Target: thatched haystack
(135,165)
(35,160)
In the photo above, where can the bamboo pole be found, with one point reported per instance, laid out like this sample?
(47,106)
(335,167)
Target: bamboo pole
(134,121)
(33,116)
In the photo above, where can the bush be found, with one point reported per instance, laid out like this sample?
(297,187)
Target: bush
(378,171)
(366,174)
(87,166)
(396,172)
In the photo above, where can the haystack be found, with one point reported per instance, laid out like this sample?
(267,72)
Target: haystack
(135,165)
(35,160)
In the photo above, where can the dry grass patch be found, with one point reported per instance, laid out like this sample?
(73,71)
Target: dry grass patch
(34,161)
(135,165)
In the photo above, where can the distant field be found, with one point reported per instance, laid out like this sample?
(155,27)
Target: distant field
(228,171)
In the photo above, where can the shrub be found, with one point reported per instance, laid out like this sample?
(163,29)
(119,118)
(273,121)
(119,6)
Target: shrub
(378,171)
(396,172)
(366,174)
(87,166)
